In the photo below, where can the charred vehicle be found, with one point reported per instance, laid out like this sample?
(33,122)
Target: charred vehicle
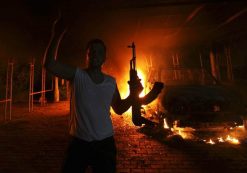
(194,96)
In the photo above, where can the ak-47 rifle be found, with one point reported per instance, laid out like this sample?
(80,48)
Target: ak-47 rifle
(135,90)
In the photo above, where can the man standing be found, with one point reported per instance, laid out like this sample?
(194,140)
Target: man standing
(92,94)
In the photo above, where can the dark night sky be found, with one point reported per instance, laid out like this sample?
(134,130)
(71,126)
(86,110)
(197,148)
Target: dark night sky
(25,26)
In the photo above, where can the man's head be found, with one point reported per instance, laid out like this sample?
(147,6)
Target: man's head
(96,53)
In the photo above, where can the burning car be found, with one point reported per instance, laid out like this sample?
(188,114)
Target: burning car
(194,96)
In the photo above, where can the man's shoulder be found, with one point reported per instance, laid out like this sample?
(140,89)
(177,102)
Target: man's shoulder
(80,71)
(109,77)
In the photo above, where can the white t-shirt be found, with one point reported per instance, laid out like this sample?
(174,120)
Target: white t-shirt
(90,107)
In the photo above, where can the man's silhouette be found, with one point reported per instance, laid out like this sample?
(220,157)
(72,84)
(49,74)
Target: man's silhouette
(92,94)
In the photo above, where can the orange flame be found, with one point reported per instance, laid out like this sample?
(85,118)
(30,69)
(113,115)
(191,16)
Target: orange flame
(232,140)
(124,89)
(211,142)
(187,133)
(166,124)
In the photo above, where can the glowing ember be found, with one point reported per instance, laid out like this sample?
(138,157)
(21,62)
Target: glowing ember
(165,124)
(229,139)
(185,133)
(211,142)
(241,127)
(220,139)
(232,140)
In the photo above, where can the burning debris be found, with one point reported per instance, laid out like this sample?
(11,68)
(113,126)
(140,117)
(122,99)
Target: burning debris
(210,135)
(236,135)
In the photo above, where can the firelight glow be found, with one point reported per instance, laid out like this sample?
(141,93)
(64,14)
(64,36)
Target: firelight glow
(187,133)
(124,89)
(143,82)
(211,142)
(232,140)
(166,124)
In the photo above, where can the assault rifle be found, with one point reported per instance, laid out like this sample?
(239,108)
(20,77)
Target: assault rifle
(135,90)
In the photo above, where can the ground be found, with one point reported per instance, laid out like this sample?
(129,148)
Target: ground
(36,142)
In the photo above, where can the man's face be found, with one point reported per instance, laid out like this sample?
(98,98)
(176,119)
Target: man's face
(96,55)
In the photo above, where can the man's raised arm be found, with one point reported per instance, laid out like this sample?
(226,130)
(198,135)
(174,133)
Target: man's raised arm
(51,64)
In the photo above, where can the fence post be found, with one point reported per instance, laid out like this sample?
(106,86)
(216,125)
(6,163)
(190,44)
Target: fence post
(8,91)
(31,82)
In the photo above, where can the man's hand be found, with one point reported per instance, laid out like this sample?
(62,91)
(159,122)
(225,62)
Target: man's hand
(50,57)
(158,86)
(135,88)
(153,94)
(59,26)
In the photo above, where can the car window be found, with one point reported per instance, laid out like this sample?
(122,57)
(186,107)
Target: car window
(182,76)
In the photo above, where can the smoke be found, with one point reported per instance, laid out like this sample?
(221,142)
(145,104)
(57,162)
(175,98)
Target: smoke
(25,31)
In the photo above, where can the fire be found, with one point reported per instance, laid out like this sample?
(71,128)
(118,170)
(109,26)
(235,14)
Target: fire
(142,68)
(142,76)
(232,140)
(220,139)
(166,124)
(124,88)
(211,142)
(228,139)
(187,133)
